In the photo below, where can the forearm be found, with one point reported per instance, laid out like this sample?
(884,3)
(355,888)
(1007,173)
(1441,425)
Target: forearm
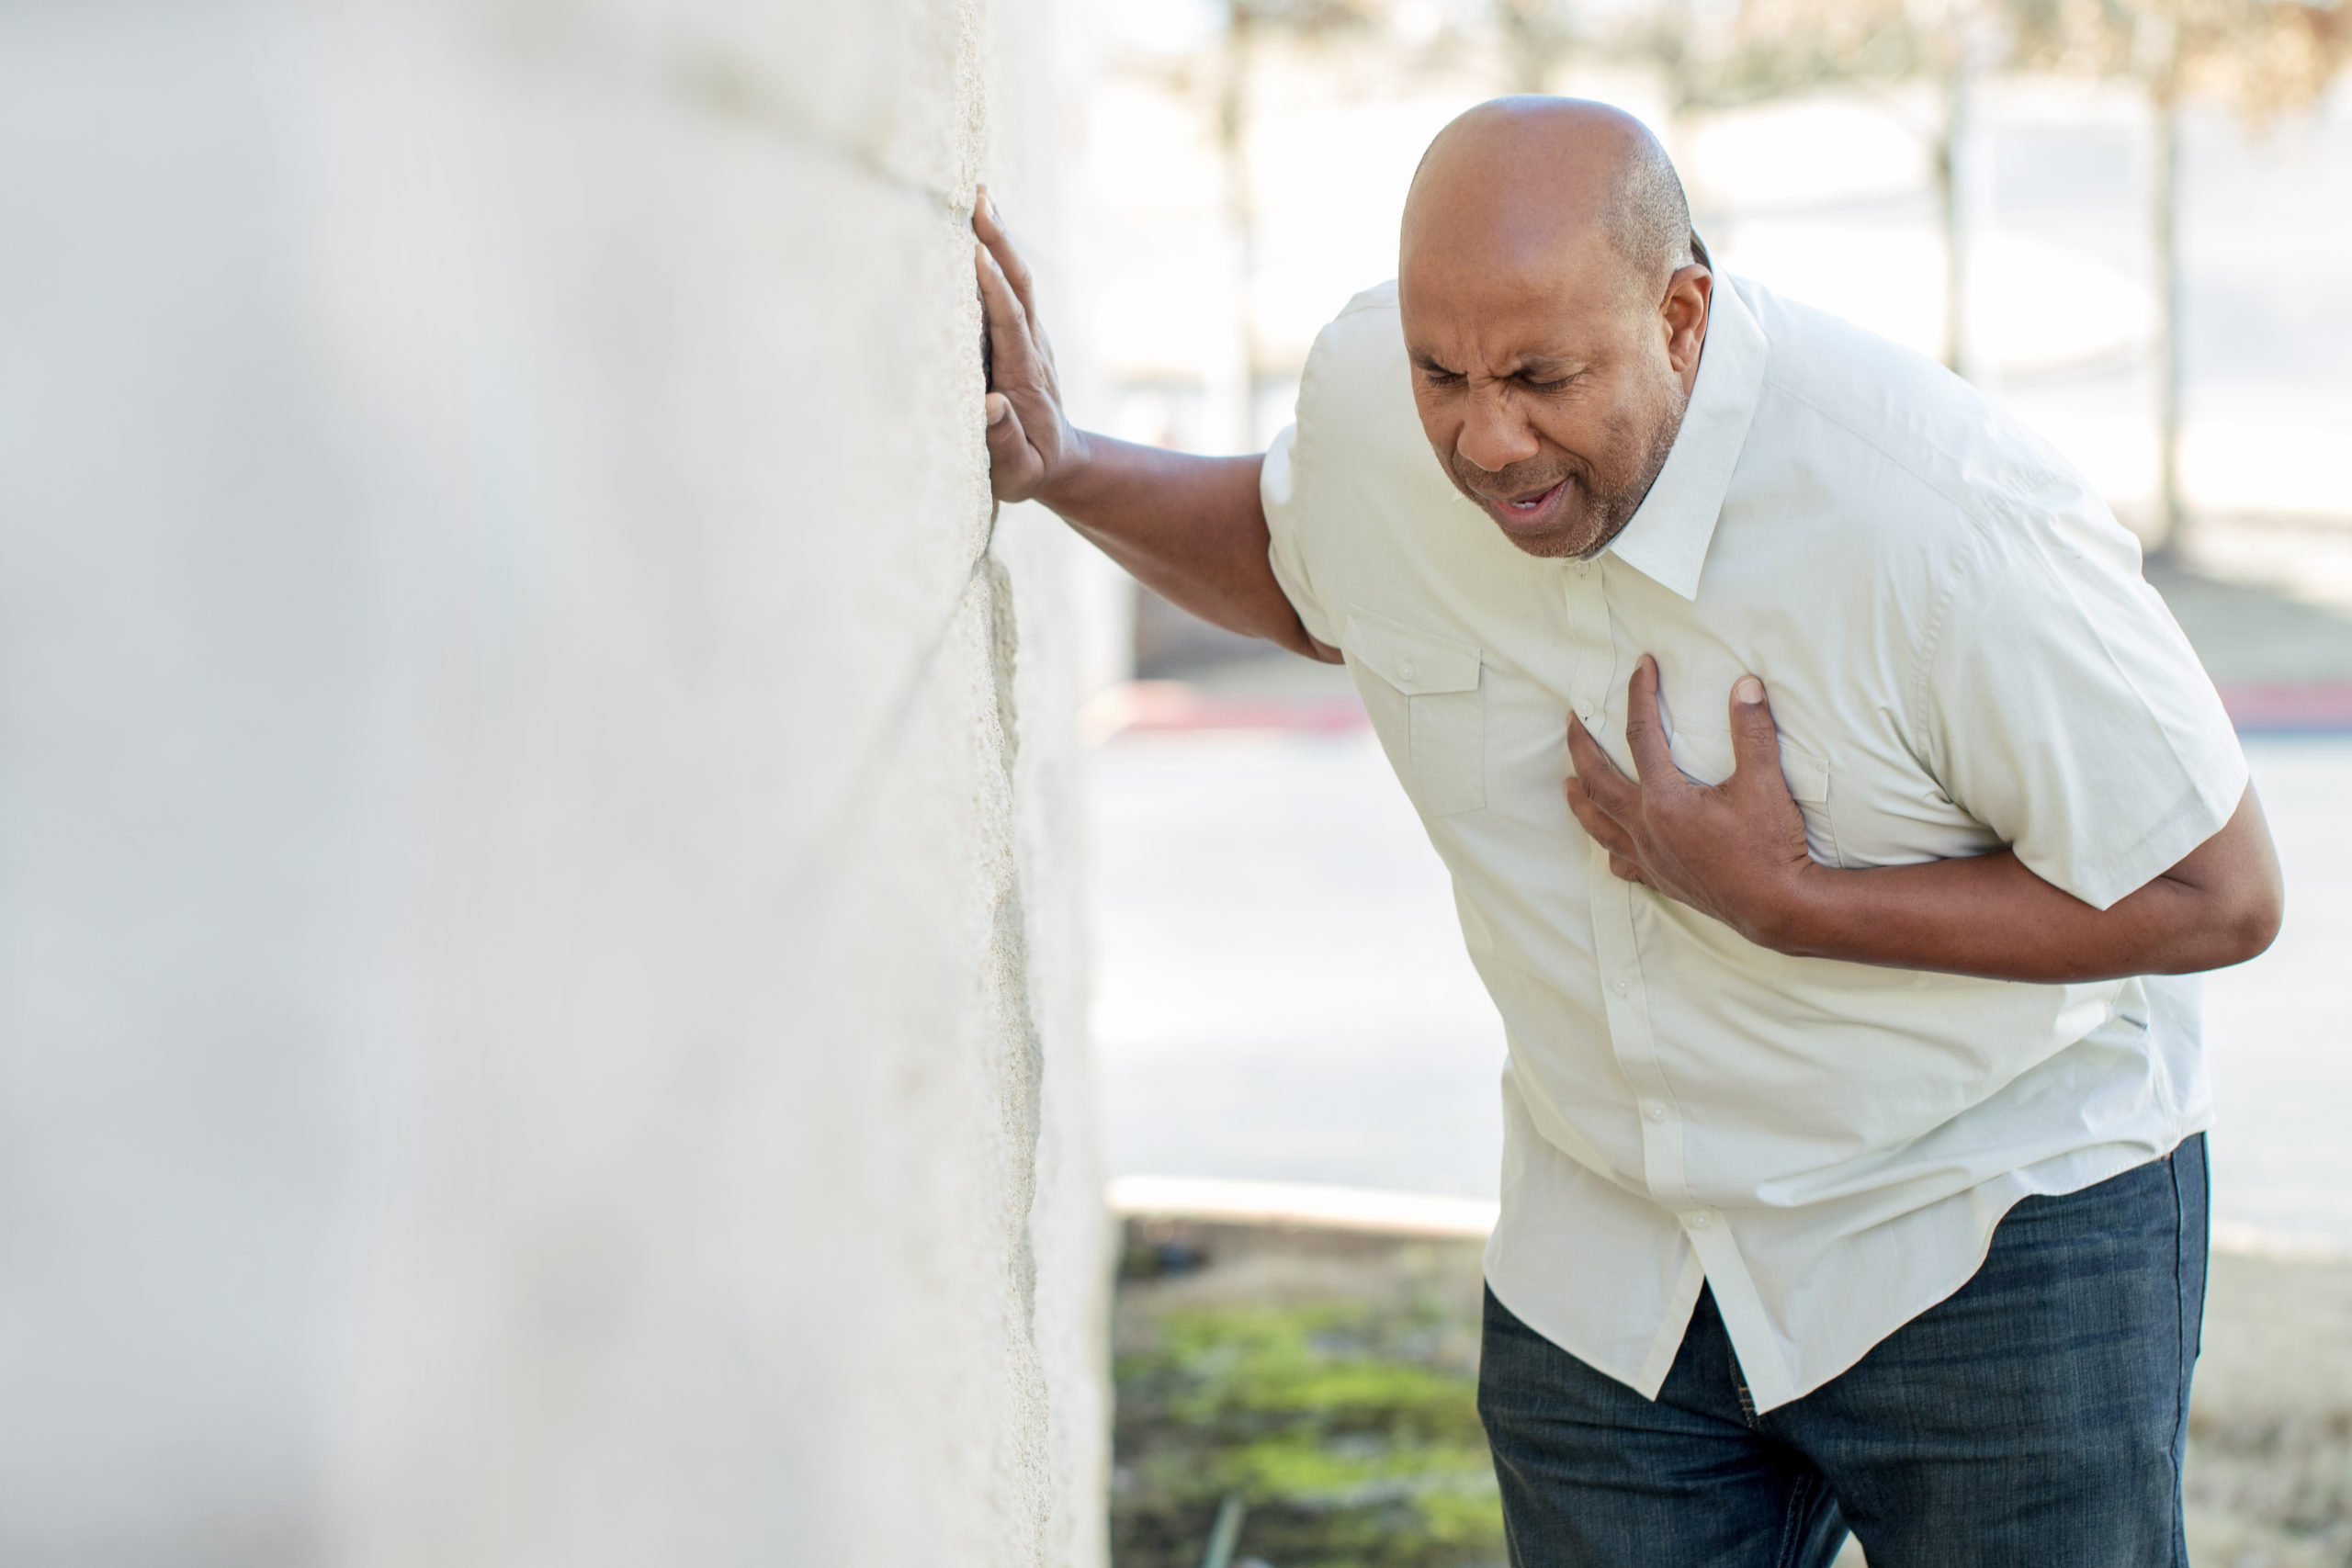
(1990,916)
(1191,529)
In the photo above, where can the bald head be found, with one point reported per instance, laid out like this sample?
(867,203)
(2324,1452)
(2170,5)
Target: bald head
(1553,314)
(1523,176)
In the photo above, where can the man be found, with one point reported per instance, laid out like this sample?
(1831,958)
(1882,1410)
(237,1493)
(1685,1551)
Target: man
(1854,1174)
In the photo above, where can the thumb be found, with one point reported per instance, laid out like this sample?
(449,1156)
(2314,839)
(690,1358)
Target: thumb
(1755,739)
(1014,465)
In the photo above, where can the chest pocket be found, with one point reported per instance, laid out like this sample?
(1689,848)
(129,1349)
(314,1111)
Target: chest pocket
(1705,754)
(1426,700)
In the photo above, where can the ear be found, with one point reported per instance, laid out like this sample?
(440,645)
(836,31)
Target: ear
(1684,313)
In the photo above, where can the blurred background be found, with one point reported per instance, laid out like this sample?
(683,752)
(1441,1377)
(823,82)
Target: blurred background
(2127,222)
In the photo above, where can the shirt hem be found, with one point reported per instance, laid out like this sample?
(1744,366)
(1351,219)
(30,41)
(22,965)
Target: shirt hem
(2189,1127)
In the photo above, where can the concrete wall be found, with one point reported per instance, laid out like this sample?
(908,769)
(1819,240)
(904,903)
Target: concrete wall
(539,1005)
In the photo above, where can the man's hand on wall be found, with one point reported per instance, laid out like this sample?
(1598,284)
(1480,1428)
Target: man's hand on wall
(1030,443)
(1192,529)
(1732,850)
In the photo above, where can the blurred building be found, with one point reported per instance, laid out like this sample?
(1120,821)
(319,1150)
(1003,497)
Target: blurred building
(539,1003)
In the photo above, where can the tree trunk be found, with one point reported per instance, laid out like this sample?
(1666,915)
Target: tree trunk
(1523,51)
(1241,219)
(2172,513)
(1950,152)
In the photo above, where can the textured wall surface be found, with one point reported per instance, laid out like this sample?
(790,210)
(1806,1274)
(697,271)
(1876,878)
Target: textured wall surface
(539,989)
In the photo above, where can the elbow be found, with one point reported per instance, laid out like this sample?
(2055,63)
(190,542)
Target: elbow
(2242,926)
(2245,897)
(2255,923)
(1290,632)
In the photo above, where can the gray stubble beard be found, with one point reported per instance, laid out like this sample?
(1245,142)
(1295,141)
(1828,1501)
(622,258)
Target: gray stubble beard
(1617,508)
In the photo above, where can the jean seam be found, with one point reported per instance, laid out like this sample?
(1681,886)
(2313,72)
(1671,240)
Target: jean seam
(2180,1352)
(1790,1534)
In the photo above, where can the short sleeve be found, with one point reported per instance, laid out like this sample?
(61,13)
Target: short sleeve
(2066,711)
(1286,526)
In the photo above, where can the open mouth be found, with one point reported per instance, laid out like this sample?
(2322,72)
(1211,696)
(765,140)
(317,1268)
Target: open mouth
(1529,512)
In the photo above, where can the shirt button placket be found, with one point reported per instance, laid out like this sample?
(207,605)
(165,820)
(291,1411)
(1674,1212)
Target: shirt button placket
(1614,948)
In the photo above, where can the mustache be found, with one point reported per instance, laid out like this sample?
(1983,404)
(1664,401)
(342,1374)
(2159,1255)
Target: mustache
(1530,477)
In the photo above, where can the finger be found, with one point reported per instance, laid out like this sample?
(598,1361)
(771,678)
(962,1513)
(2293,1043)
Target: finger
(1012,351)
(1596,774)
(1755,739)
(1606,831)
(988,224)
(1644,731)
(1014,465)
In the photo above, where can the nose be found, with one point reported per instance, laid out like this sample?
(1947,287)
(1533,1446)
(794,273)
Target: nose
(1494,435)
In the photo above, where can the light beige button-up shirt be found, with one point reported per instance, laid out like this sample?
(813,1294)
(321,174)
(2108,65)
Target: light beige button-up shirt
(1960,654)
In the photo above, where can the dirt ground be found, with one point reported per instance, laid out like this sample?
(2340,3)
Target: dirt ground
(1322,1381)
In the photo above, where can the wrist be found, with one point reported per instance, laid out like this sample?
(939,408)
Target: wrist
(1065,482)
(1790,917)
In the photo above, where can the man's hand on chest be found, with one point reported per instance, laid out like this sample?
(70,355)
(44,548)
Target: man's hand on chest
(1733,849)
(1737,850)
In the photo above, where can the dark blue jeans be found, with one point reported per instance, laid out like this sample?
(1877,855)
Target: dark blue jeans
(2033,1419)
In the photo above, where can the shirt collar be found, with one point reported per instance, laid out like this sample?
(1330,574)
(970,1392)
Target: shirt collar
(1667,540)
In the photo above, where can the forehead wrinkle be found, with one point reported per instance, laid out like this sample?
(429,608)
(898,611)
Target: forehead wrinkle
(1545,307)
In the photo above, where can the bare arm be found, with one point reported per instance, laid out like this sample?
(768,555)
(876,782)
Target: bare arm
(1737,850)
(1991,915)
(1191,529)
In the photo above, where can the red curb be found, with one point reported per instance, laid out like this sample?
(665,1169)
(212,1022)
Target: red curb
(1174,706)
(1147,706)
(2297,708)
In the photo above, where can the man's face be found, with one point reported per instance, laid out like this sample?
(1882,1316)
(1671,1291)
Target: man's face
(1546,389)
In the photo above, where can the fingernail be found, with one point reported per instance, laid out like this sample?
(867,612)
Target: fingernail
(1748,690)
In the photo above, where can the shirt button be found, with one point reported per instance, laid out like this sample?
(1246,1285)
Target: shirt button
(1697,1218)
(1405,670)
(1621,987)
(1654,1110)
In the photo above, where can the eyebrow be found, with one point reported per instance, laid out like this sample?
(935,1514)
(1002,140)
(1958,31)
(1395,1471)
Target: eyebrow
(1535,367)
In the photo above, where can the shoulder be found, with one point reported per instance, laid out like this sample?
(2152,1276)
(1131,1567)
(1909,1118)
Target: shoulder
(1365,506)
(1930,472)
(1357,425)
(1377,301)
(1358,364)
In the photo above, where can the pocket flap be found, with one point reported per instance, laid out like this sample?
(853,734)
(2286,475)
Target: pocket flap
(1413,661)
(1807,774)
(1705,754)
